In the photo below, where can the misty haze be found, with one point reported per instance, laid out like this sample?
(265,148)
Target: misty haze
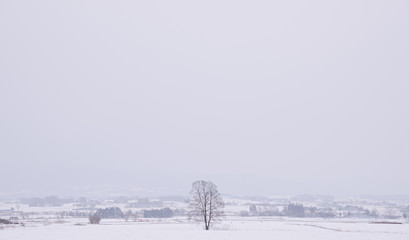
(152,119)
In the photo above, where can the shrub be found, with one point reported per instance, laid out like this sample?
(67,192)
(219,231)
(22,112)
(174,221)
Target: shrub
(4,221)
(244,214)
(94,219)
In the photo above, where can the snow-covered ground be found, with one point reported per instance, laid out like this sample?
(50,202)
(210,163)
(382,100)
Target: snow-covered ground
(50,222)
(234,228)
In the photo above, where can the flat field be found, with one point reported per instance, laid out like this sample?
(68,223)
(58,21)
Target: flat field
(234,228)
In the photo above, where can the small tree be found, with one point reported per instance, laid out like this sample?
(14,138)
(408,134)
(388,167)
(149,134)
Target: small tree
(127,215)
(253,209)
(206,204)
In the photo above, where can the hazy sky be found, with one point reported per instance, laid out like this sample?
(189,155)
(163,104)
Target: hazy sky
(262,97)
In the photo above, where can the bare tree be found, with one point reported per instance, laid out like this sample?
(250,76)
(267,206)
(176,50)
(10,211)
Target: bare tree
(206,204)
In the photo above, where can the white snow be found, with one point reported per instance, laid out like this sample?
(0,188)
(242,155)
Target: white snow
(234,228)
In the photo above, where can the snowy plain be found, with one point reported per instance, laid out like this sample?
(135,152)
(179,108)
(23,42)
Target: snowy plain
(230,228)
(48,223)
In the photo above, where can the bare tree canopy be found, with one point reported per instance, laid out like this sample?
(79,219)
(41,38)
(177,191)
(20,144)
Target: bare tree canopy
(206,204)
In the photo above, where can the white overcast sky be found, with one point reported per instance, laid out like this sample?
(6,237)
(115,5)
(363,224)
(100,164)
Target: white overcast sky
(261,97)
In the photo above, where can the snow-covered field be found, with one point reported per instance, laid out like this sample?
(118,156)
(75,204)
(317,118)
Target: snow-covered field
(235,228)
(53,222)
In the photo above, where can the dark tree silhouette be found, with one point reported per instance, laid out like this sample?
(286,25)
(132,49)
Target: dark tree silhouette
(206,204)
(112,212)
(158,213)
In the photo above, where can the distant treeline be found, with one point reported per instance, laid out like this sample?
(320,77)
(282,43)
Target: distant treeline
(47,201)
(112,212)
(299,210)
(158,213)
